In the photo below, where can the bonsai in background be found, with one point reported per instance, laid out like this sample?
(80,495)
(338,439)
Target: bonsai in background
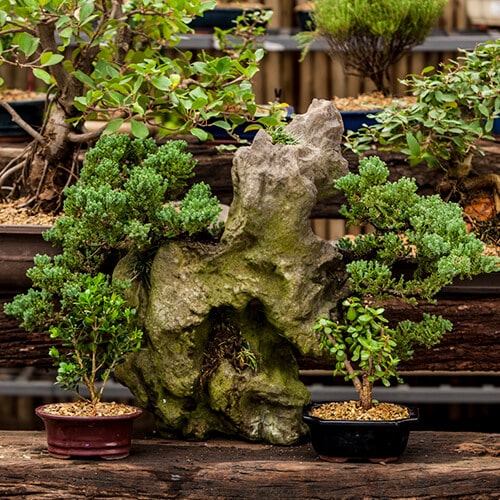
(455,108)
(408,228)
(113,61)
(370,36)
(124,200)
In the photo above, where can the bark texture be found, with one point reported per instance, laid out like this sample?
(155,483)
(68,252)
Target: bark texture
(461,466)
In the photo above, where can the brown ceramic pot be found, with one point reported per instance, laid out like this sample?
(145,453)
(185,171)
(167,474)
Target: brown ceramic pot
(18,245)
(105,437)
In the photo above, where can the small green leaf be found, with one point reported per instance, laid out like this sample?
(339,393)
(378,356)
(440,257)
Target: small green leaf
(139,129)
(42,75)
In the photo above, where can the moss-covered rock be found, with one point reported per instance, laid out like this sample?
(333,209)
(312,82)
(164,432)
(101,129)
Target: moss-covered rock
(224,322)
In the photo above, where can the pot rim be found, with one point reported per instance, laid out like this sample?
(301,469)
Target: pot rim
(307,417)
(40,411)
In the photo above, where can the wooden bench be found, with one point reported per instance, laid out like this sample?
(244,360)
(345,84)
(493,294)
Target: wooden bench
(435,465)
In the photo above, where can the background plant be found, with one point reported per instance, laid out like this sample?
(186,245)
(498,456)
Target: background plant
(116,61)
(455,108)
(425,231)
(370,36)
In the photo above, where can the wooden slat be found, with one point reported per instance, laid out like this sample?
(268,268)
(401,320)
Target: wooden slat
(434,465)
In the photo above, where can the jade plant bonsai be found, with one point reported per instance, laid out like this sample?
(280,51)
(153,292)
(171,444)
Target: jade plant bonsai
(427,232)
(116,62)
(129,197)
(455,109)
(370,36)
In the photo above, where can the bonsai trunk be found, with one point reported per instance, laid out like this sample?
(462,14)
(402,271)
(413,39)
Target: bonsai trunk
(365,392)
(48,165)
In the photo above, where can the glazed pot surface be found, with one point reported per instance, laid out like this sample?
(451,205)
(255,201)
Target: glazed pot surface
(106,437)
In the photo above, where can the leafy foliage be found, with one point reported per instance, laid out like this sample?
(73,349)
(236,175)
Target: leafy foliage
(365,346)
(370,36)
(123,200)
(126,198)
(118,62)
(95,327)
(455,108)
(117,57)
(424,231)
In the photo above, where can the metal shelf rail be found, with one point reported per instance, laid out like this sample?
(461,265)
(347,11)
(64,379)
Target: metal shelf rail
(283,41)
(25,383)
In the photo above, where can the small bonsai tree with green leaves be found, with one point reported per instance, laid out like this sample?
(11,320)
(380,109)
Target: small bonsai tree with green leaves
(455,109)
(425,231)
(88,318)
(130,197)
(117,61)
(370,36)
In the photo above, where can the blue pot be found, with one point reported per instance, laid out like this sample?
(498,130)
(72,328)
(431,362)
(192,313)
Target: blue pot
(354,120)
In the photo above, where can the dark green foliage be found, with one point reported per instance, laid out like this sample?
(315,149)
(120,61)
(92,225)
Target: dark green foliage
(427,233)
(126,198)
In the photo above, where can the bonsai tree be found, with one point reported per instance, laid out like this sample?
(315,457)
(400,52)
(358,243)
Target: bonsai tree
(454,110)
(115,61)
(128,198)
(425,231)
(370,36)
(92,325)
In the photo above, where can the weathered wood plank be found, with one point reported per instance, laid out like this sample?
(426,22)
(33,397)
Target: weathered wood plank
(435,465)
(472,345)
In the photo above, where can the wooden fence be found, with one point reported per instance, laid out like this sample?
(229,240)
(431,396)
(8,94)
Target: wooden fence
(318,75)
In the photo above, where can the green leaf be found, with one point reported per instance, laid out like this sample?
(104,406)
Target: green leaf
(161,82)
(49,59)
(27,43)
(114,125)
(413,144)
(201,134)
(138,129)
(42,75)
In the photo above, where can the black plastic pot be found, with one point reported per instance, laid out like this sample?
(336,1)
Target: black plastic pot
(342,440)
(220,17)
(30,111)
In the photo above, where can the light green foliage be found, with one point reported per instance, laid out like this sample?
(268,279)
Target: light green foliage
(114,61)
(455,108)
(95,327)
(369,36)
(371,348)
(125,199)
(426,232)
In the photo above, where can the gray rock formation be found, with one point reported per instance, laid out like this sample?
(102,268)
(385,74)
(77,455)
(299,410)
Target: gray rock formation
(224,322)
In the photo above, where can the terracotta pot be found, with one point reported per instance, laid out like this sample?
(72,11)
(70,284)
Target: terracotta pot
(105,437)
(18,245)
(342,440)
